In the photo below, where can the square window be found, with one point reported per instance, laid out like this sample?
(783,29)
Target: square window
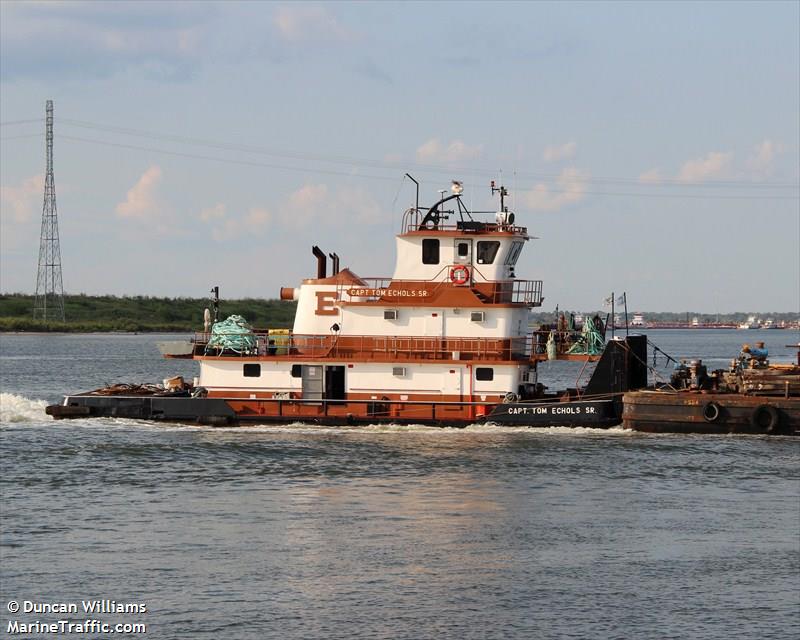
(252,371)
(430,251)
(484,373)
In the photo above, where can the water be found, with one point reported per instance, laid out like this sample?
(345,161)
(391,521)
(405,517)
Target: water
(292,531)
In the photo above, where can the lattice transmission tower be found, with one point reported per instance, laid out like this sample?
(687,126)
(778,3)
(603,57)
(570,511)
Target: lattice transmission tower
(49,304)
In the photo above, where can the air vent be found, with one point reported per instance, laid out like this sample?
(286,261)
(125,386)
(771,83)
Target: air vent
(400,372)
(477,316)
(390,314)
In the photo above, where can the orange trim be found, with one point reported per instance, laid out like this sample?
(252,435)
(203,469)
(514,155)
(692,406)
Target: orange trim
(345,276)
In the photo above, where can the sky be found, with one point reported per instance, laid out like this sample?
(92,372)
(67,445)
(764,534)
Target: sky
(651,148)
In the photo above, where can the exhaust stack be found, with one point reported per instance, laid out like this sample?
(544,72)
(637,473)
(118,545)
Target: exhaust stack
(322,262)
(335,263)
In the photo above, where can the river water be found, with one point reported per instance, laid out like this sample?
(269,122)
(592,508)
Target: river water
(389,532)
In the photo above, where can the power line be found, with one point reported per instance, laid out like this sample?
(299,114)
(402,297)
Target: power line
(577,190)
(8,123)
(19,137)
(373,164)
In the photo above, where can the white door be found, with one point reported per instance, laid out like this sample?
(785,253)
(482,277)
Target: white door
(451,382)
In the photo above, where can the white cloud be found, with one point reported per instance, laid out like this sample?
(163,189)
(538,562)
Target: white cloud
(142,199)
(764,155)
(713,165)
(24,199)
(653,176)
(304,23)
(554,153)
(225,227)
(570,187)
(257,218)
(318,204)
(434,151)
(104,38)
(213,213)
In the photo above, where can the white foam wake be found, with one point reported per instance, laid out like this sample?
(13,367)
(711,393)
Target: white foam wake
(14,408)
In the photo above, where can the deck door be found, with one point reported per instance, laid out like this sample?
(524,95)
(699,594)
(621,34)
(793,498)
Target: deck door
(451,382)
(312,382)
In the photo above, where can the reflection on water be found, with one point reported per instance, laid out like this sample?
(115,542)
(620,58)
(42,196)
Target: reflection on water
(293,531)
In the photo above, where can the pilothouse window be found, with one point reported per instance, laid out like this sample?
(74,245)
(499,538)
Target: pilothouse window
(487,251)
(430,251)
(463,249)
(513,254)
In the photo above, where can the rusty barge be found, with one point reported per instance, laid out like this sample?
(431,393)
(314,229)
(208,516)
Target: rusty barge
(752,396)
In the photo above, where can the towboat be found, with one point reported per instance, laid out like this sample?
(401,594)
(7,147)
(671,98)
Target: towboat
(444,341)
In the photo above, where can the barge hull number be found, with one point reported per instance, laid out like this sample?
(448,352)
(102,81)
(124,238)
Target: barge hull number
(553,411)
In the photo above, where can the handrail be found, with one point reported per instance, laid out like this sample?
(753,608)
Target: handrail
(365,346)
(478,227)
(514,291)
(532,345)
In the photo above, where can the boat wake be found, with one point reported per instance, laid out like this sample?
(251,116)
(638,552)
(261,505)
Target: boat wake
(14,408)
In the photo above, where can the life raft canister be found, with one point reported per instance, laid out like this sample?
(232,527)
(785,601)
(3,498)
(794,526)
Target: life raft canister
(459,274)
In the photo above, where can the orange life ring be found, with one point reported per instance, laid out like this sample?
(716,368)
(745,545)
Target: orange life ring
(459,274)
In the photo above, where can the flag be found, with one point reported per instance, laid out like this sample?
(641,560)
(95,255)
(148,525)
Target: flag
(621,299)
(607,302)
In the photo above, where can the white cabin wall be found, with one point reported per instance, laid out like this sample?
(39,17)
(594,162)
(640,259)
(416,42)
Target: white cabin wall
(430,379)
(275,376)
(499,322)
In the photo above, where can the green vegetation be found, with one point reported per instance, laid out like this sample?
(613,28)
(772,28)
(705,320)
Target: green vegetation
(146,313)
(140,313)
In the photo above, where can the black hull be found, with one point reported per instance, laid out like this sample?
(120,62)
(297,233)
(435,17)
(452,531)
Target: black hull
(218,412)
(575,413)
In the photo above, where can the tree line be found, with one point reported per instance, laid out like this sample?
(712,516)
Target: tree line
(140,313)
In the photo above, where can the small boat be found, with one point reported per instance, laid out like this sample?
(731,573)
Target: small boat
(443,341)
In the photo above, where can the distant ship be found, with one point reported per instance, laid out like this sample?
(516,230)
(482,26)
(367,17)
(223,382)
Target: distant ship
(638,321)
(750,323)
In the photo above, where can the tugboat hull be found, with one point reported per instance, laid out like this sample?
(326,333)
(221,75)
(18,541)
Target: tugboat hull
(575,413)
(221,412)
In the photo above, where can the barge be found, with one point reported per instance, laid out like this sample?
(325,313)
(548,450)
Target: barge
(752,396)
(444,341)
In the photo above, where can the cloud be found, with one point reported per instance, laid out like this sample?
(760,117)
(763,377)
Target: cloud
(142,200)
(763,157)
(370,70)
(24,199)
(213,213)
(308,23)
(714,164)
(653,176)
(225,227)
(64,38)
(569,189)
(435,152)
(553,153)
(319,204)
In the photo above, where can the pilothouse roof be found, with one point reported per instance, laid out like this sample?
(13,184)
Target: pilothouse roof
(449,215)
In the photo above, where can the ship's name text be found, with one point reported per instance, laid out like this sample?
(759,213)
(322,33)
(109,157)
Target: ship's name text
(389,293)
(553,411)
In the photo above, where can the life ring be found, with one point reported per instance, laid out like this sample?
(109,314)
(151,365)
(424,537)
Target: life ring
(459,274)
(765,417)
(711,412)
